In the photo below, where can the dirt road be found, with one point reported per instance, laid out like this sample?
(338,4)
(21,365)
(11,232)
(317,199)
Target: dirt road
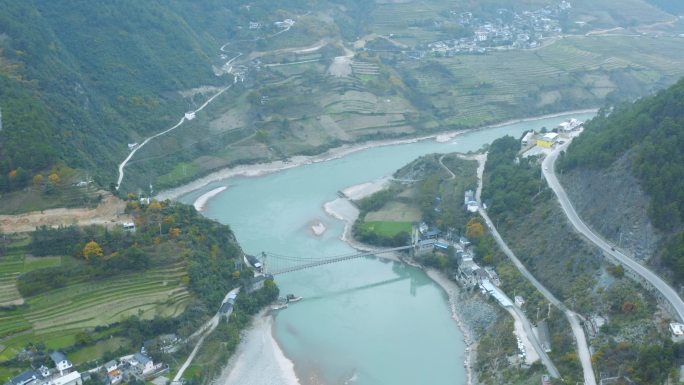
(110,210)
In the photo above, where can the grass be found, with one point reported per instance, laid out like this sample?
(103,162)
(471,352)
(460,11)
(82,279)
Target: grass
(395,212)
(93,352)
(387,228)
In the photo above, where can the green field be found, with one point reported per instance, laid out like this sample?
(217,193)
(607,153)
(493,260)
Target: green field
(387,228)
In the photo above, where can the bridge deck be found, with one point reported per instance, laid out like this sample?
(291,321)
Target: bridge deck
(327,261)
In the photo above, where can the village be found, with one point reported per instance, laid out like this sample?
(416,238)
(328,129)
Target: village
(138,366)
(511,30)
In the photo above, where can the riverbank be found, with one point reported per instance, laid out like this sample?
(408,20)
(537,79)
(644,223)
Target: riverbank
(453,290)
(201,202)
(258,347)
(343,210)
(471,313)
(335,153)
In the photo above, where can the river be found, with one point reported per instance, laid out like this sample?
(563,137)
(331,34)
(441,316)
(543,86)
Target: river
(368,321)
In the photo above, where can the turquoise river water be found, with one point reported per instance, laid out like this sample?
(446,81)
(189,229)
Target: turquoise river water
(368,321)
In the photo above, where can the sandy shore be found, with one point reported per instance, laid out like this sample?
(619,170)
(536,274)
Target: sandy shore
(201,202)
(258,346)
(335,153)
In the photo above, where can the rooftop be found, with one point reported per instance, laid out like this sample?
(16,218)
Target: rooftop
(58,357)
(141,358)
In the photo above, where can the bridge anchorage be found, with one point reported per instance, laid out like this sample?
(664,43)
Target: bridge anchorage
(277,264)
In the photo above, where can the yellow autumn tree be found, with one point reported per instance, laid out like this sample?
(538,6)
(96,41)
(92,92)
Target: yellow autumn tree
(474,229)
(38,180)
(92,249)
(54,179)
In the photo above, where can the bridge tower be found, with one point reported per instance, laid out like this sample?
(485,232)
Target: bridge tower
(264,268)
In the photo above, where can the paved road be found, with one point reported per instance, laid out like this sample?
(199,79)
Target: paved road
(204,331)
(582,346)
(658,283)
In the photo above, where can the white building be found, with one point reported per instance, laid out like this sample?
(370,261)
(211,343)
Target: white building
(73,378)
(61,362)
(677,330)
(527,138)
(190,115)
(143,362)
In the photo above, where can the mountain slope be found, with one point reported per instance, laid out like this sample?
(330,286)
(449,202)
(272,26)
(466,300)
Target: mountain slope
(89,70)
(648,136)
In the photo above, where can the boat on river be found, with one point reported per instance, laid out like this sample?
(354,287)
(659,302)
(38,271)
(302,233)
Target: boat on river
(292,298)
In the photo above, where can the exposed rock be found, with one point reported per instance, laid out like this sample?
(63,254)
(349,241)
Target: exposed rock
(612,202)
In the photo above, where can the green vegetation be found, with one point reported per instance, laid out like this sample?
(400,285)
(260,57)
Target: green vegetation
(538,232)
(430,196)
(386,229)
(650,130)
(152,62)
(512,183)
(166,277)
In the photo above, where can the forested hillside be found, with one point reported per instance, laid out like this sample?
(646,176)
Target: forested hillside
(79,80)
(651,130)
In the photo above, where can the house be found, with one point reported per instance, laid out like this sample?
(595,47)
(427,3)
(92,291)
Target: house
(111,366)
(432,234)
(423,227)
(254,25)
(25,378)
(61,362)
(441,246)
(527,138)
(73,378)
(677,331)
(226,309)
(464,242)
(548,140)
(129,226)
(132,146)
(143,363)
(468,197)
(519,301)
(254,261)
(190,115)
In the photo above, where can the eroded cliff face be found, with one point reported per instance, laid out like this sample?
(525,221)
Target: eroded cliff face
(613,203)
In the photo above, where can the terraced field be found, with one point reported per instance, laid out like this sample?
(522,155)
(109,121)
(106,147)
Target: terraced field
(574,71)
(61,313)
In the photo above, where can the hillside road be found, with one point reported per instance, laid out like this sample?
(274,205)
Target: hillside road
(665,290)
(583,352)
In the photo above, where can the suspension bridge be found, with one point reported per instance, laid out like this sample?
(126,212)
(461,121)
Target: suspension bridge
(277,264)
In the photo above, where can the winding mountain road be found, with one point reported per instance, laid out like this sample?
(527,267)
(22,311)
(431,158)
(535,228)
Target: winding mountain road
(122,165)
(665,290)
(584,354)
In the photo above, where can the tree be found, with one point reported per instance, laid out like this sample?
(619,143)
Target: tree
(92,249)
(474,229)
(54,179)
(38,180)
